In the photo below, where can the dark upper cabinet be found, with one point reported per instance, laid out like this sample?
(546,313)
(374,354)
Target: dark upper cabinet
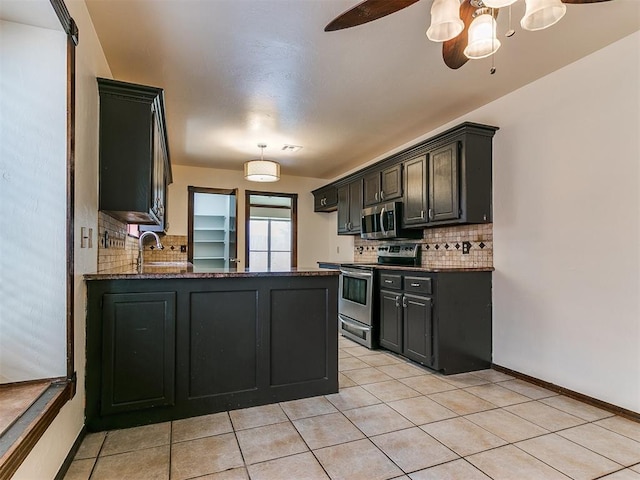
(134,156)
(350,208)
(415,191)
(383,185)
(445,180)
(138,351)
(325,199)
(444,193)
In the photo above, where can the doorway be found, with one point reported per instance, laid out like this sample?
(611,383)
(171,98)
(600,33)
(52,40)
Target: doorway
(271,230)
(212,237)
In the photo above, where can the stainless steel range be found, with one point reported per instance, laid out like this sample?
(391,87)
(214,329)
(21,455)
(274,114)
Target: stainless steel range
(356,312)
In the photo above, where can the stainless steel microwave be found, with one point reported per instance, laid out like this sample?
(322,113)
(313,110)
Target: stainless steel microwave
(384,221)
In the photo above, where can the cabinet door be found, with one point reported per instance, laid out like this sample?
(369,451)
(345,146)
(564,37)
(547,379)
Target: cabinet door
(343,209)
(325,200)
(391,321)
(355,206)
(418,328)
(415,191)
(371,189)
(138,351)
(391,187)
(444,194)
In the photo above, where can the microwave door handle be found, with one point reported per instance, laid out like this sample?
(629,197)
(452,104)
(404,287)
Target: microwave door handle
(384,232)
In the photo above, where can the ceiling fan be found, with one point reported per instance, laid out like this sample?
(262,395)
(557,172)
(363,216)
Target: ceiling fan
(466,28)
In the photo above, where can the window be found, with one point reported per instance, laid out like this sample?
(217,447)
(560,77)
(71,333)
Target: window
(271,230)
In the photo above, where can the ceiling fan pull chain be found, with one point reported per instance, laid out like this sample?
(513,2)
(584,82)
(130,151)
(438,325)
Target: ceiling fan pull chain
(511,31)
(493,40)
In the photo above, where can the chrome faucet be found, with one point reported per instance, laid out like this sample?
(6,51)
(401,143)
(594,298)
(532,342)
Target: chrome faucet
(140,246)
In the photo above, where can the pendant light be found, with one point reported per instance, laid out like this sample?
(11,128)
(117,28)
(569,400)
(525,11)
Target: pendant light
(482,36)
(445,20)
(541,14)
(262,170)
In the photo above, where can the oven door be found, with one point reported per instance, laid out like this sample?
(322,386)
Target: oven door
(356,294)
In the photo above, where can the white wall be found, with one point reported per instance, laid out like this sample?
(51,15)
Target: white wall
(47,456)
(566,287)
(32,202)
(316,231)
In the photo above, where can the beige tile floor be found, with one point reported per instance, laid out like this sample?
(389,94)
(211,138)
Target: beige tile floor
(391,419)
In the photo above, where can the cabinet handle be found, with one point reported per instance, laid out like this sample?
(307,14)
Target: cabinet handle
(376,196)
(388,281)
(381,194)
(421,213)
(404,302)
(415,284)
(430,214)
(346,226)
(397,300)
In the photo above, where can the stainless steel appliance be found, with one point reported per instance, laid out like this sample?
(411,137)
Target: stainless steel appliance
(356,313)
(383,221)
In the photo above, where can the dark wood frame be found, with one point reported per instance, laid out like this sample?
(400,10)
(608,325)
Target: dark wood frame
(294,219)
(18,440)
(218,191)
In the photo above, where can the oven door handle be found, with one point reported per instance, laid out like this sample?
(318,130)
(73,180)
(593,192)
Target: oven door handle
(352,323)
(351,273)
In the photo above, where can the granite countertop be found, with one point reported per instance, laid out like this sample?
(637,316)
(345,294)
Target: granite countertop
(413,269)
(187,270)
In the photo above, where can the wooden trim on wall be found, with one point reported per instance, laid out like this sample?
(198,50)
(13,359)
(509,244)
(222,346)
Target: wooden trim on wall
(609,407)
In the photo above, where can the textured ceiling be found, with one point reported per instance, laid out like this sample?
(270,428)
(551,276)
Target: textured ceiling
(237,73)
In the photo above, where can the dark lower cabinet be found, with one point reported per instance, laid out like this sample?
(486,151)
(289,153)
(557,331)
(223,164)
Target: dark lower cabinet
(164,349)
(441,320)
(138,354)
(418,332)
(391,320)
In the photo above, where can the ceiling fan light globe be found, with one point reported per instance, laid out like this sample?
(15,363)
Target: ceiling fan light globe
(482,38)
(498,3)
(541,14)
(445,20)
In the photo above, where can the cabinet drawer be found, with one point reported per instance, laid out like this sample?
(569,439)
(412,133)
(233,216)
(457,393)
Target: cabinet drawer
(418,285)
(391,281)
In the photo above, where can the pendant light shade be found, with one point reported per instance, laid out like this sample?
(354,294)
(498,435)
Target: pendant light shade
(540,14)
(262,170)
(445,20)
(498,3)
(482,37)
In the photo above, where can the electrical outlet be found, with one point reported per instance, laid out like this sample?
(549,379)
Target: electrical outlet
(466,246)
(337,249)
(183,249)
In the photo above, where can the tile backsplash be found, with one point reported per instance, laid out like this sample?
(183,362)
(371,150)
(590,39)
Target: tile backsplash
(441,247)
(117,250)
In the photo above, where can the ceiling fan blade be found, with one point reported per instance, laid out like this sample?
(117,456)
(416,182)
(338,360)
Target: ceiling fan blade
(453,50)
(578,2)
(367,11)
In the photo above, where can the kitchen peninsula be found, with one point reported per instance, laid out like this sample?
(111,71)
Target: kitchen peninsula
(174,342)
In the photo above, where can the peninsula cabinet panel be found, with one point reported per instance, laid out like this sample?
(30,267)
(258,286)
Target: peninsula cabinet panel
(138,357)
(298,332)
(164,349)
(224,325)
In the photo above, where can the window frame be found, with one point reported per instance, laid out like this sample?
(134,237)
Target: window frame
(294,222)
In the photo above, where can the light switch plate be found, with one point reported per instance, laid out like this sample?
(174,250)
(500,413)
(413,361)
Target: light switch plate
(90,242)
